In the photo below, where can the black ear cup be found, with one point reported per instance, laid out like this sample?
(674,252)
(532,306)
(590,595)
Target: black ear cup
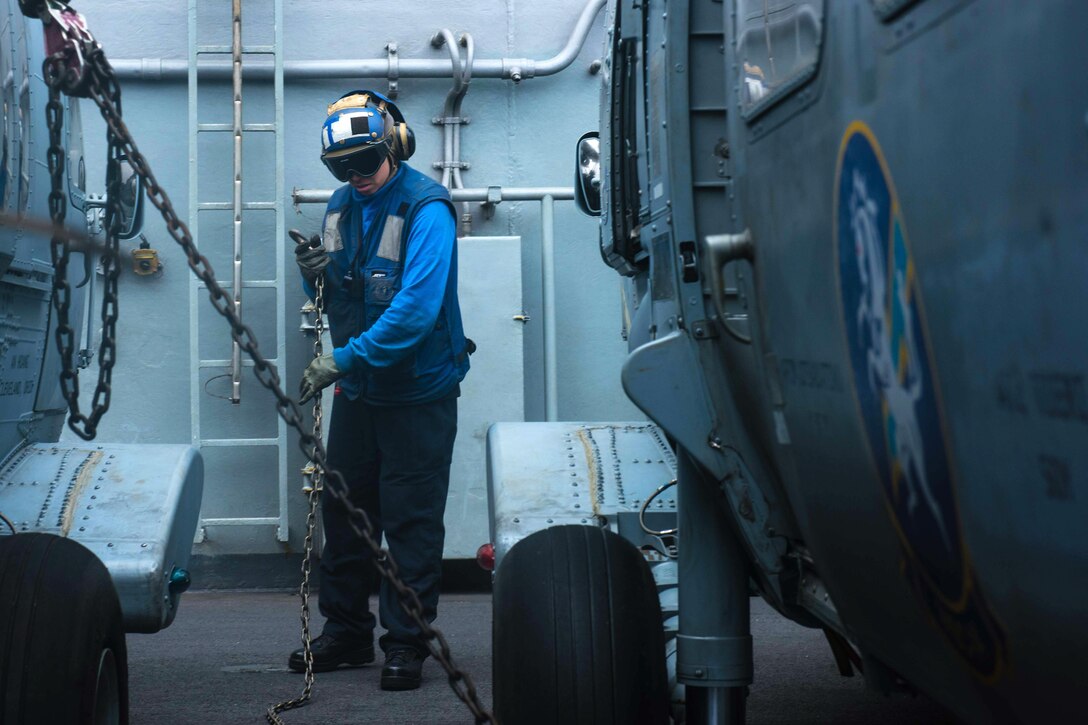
(404,141)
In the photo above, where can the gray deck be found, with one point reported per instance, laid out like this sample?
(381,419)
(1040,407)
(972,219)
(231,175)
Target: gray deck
(224,661)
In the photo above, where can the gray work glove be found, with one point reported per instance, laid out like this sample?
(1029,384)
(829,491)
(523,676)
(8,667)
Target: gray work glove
(310,256)
(320,373)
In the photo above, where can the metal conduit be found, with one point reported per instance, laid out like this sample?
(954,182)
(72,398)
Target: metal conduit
(481,194)
(515,69)
(470,58)
(547,196)
(445,37)
(547,267)
(452,120)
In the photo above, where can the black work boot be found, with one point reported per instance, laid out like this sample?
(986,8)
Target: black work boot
(403,669)
(330,653)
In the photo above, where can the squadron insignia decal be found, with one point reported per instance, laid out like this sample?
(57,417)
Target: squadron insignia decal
(899,405)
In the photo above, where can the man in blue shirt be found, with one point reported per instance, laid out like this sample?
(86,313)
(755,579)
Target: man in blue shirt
(389,261)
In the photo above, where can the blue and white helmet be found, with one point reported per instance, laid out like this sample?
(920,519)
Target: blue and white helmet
(358,134)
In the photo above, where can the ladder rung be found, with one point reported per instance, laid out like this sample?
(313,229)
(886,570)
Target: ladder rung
(252,521)
(227,49)
(229,206)
(246,284)
(255,127)
(246,363)
(230,442)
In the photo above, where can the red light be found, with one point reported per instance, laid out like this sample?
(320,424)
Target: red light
(485,557)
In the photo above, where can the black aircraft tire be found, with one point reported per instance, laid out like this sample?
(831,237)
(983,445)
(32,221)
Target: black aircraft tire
(577,632)
(62,646)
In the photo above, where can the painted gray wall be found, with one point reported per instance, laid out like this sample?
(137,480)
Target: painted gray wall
(519,135)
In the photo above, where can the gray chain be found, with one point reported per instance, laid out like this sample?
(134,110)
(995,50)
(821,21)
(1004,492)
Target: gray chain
(85,426)
(99,83)
(316,481)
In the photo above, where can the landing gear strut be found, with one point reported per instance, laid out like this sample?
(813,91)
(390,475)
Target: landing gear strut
(714,645)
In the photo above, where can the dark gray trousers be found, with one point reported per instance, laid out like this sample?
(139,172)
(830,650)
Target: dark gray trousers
(396,463)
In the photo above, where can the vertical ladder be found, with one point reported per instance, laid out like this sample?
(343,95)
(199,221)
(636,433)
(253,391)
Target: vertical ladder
(198,296)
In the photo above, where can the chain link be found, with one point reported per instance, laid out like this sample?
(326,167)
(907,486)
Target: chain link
(100,84)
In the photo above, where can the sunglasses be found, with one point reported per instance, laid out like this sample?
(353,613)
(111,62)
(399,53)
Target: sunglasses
(364,162)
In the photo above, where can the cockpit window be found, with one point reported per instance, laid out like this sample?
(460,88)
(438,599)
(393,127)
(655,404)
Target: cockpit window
(24,157)
(7,100)
(778,43)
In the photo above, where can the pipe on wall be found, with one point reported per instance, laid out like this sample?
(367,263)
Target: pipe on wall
(547,267)
(470,58)
(445,37)
(482,194)
(547,196)
(515,69)
(452,120)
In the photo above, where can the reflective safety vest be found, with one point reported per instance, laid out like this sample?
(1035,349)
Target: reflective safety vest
(364,276)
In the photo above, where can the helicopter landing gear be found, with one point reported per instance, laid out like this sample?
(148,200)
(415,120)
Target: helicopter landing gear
(577,632)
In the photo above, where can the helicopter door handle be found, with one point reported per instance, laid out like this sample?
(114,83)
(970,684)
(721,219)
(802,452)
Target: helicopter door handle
(721,250)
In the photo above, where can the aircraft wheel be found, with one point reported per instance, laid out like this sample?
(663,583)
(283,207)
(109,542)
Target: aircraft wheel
(577,633)
(62,646)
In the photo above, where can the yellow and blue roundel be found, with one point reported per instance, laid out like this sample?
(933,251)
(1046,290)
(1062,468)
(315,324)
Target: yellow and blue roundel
(900,410)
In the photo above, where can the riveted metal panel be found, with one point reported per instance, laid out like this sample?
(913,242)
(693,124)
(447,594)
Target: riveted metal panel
(134,506)
(550,474)
(24,318)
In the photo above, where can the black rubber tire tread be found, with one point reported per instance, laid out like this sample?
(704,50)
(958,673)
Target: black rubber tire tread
(577,632)
(58,612)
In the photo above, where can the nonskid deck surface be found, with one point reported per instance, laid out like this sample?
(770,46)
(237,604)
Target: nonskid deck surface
(224,660)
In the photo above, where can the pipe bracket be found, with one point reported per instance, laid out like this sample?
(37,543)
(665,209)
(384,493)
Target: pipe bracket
(494,198)
(394,70)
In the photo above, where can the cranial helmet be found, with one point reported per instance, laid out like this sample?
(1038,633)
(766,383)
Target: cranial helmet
(363,128)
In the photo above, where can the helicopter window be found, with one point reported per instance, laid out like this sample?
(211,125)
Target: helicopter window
(7,99)
(4,160)
(24,157)
(77,170)
(778,42)
(624,185)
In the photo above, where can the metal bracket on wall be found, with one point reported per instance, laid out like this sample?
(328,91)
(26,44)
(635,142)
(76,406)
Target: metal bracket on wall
(494,198)
(394,70)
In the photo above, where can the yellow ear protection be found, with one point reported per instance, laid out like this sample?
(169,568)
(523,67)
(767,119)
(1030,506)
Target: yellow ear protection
(402,141)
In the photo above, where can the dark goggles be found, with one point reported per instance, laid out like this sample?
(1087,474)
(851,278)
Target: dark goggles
(364,162)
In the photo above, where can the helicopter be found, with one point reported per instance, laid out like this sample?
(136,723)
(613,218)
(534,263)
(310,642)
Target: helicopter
(848,235)
(95,537)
